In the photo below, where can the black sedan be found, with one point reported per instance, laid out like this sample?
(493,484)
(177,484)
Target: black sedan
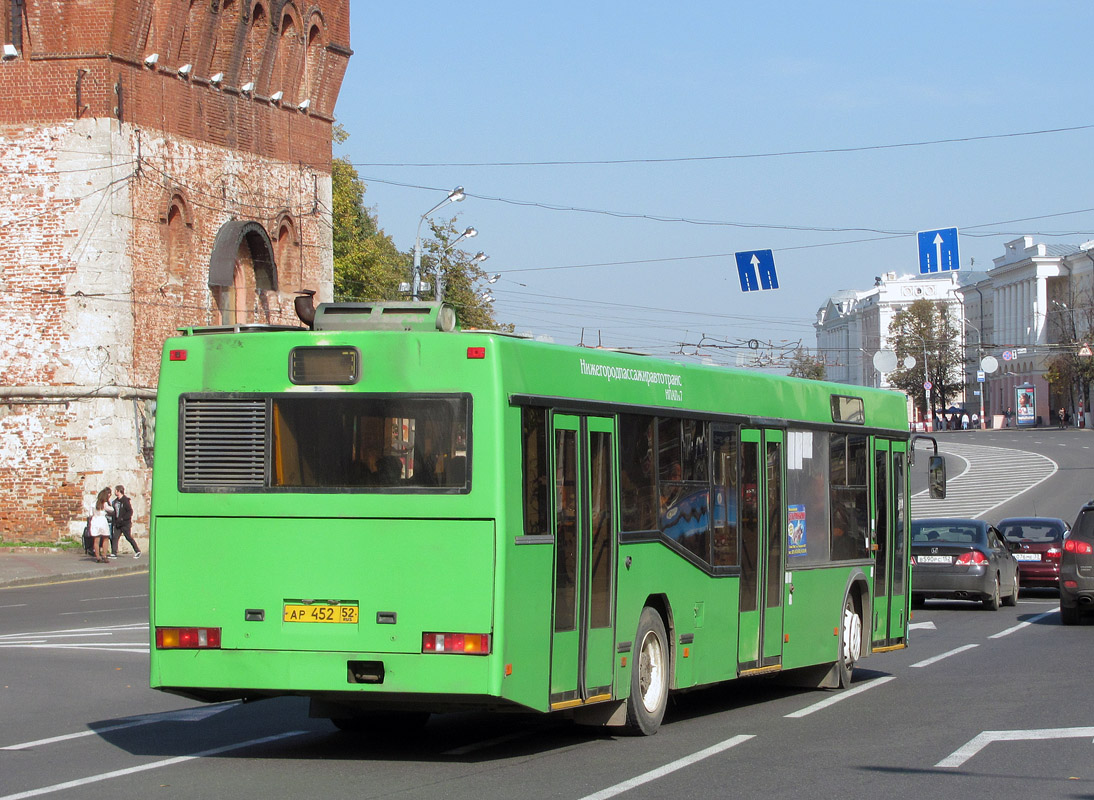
(964,559)
(1040,543)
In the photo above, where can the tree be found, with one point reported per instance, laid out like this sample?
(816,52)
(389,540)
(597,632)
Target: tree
(804,365)
(461,277)
(926,327)
(367,264)
(1069,374)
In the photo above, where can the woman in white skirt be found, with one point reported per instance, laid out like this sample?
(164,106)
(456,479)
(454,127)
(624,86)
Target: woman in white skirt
(100,526)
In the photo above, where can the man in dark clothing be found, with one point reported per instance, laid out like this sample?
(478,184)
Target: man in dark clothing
(123,523)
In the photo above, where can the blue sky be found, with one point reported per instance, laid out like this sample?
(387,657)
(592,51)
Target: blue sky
(696,97)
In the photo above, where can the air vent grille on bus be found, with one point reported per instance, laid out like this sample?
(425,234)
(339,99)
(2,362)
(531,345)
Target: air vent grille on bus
(223,442)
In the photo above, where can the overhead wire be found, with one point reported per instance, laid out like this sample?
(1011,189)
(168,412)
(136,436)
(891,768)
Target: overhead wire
(734,156)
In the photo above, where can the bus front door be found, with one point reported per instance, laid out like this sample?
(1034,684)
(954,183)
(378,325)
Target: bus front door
(763,534)
(584,525)
(890,557)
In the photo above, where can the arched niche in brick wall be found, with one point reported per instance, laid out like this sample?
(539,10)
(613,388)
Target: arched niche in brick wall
(242,246)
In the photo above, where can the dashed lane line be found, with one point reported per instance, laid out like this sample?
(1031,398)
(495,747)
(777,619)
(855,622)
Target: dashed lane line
(992,476)
(167,762)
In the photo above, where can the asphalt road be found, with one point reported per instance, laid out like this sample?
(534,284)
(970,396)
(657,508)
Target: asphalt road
(983,704)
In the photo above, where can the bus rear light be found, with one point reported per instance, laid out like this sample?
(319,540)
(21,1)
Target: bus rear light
(187,638)
(476,352)
(477,644)
(177,355)
(1078,547)
(973,559)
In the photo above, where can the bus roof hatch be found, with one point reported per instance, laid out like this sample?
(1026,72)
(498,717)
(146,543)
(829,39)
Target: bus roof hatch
(404,316)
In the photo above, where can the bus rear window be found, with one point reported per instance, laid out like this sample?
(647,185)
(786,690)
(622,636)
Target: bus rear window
(360,442)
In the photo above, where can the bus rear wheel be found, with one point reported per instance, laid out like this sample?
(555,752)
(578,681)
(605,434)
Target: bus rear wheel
(850,642)
(649,676)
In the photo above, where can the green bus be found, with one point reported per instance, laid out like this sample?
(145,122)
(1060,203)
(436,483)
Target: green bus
(395,517)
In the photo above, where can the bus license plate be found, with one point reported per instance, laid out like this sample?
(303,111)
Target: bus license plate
(320,612)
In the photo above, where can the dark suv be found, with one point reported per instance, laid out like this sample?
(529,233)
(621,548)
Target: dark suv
(1077,568)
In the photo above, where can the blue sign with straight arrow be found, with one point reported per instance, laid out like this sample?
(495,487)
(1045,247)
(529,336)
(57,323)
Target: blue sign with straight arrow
(938,251)
(756,269)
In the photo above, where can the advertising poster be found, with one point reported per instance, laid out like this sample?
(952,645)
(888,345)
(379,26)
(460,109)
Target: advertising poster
(1026,405)
(795,530)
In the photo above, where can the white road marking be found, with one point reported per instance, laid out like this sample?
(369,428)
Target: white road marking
(79,639)
(978,743)
(15,605)
(93,611)
(938,658)
(183,715)
(1025,624)
(118,773)
(922,626)
(836,698)
(660,772)
(115,597)
(993,476)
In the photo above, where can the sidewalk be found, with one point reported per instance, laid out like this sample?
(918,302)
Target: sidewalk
(30,566)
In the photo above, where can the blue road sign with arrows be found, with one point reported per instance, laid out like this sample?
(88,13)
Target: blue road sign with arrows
(938,251)
(756,269)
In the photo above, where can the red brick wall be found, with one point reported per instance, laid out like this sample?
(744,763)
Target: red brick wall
(89,293)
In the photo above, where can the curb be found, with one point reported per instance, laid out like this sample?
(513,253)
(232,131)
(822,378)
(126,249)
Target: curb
(65,577)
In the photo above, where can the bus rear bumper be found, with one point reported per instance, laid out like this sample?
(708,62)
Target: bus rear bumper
(433,682)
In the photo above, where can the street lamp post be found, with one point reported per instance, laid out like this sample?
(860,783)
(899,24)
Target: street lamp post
(979,360)
(438,288)
(926,377)
(455,196)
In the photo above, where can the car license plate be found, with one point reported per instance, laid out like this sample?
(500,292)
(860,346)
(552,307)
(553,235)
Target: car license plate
(933,559)
(320,612)
(1027,556)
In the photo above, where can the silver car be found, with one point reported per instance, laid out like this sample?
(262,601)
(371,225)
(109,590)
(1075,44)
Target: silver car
(963,559)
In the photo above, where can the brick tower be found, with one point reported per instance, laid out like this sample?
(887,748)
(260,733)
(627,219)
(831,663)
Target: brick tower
(167,163)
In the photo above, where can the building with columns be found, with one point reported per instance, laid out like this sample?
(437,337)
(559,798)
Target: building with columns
(1027,307)
(1035,302)
(853,325)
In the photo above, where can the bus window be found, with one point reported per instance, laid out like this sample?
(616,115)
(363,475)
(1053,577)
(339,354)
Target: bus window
(565,530)
(534,440)
(638,489)
(807,498)
(750,524)
(850,502)
(684,510)
(724,442)
(324,442)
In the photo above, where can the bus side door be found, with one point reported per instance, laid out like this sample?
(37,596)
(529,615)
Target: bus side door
(763,534)
(582,640)
(890,556)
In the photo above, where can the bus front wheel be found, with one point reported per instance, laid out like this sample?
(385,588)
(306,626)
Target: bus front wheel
(850,642)
(649,675)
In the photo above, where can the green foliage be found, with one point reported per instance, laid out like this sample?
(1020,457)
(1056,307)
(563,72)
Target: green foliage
(926,325)
(804,365)
(367,264)
(1069,374)
(461,275)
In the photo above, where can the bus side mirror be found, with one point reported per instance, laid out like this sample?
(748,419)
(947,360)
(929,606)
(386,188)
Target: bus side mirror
(936,477)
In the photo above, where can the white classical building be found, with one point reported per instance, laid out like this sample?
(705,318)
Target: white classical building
(853,325)
(1032,304)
